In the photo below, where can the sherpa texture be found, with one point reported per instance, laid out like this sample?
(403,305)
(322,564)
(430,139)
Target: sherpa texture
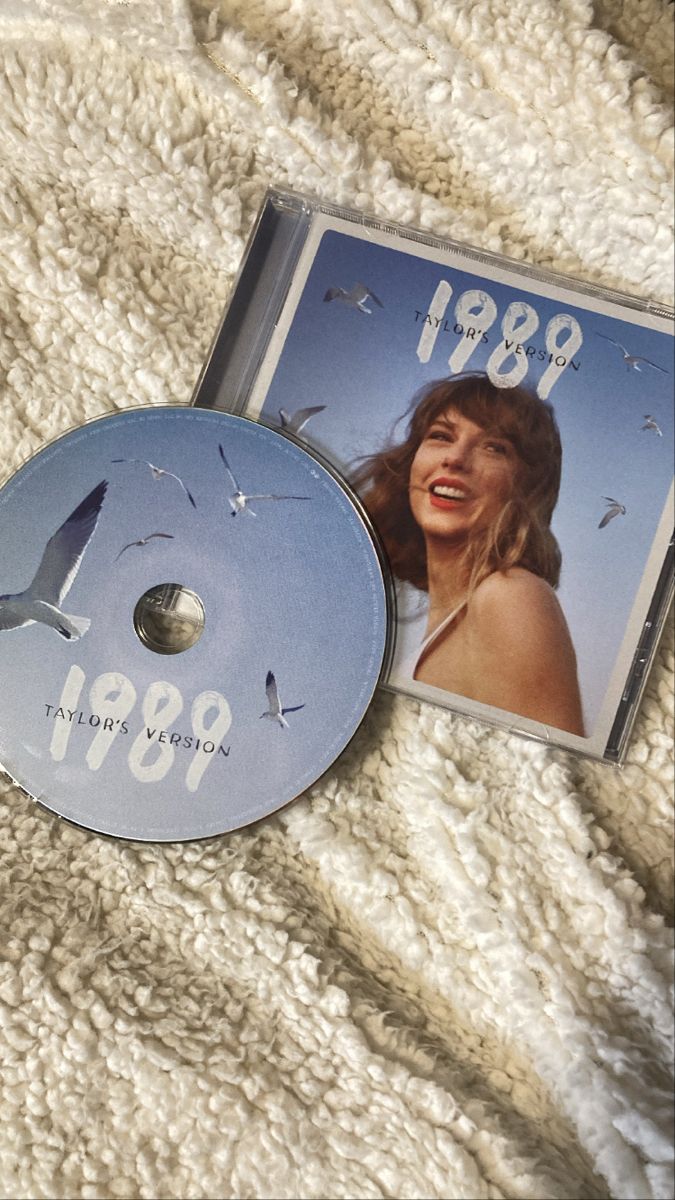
(444,972)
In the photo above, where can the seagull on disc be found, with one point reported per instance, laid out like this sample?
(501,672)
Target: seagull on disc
(356,298)
(41,601)
(143,542)
(295,422)
(615,509)
(239,500)
(275,711)
(650,423)
(634,362)
(158,473)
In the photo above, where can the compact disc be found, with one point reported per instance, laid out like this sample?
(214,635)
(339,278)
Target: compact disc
(193,619)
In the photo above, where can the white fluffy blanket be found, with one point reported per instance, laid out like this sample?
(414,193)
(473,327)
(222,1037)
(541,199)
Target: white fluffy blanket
(444,972)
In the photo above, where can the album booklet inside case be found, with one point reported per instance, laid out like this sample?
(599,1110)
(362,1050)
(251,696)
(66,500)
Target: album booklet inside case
(510,432)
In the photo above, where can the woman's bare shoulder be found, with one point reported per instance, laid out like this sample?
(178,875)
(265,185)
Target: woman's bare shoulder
(521,650)
(515,586)
(512,650)
(517,602)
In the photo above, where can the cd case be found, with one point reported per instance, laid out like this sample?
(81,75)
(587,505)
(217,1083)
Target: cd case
(510,432)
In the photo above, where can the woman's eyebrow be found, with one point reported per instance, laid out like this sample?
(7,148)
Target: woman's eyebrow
(500,437)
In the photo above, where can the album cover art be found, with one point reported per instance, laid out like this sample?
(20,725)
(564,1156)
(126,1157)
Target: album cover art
(511,436)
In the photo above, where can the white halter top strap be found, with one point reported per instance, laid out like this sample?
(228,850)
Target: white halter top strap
(437,633)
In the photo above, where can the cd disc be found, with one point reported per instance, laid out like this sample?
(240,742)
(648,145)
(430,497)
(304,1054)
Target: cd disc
(193,620)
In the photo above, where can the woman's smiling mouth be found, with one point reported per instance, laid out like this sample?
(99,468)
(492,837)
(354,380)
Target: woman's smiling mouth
(445,493)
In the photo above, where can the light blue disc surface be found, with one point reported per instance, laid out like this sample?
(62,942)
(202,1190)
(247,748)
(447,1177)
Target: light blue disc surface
(98,721)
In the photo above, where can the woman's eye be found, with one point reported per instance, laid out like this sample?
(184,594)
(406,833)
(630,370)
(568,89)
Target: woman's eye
(439,435)
(497,447)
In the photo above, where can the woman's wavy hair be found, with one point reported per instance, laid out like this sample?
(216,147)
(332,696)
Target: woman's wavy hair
(520,535)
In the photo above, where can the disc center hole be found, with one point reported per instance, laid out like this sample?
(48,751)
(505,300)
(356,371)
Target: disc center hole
(169,618)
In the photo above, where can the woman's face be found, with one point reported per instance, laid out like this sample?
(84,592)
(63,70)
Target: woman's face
(461,477)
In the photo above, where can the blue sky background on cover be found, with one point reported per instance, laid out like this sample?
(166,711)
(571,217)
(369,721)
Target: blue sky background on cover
(364,368)
(295,590)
